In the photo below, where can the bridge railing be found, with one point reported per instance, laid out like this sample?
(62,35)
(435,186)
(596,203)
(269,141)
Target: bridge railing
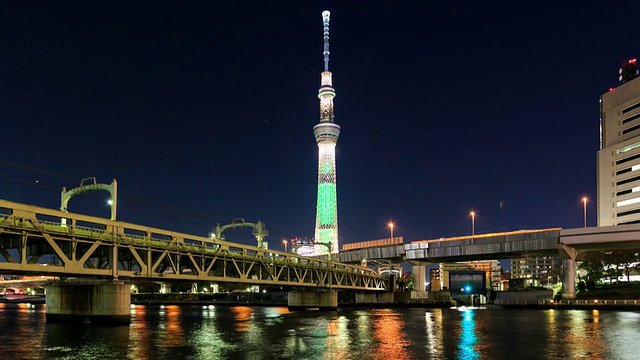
(27,217)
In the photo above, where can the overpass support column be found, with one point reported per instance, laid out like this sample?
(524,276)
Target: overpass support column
(97,302)
(419,277)
(569,279)
(322,300)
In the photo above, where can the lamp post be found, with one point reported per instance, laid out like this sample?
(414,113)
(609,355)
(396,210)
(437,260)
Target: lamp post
(584,206)
(284,242)
(391,228)
(473,223)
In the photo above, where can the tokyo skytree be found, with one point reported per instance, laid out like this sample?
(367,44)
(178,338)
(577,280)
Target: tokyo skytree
(326,134)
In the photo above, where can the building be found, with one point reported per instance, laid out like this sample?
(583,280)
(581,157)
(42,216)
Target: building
(618,174)
(537,271)
(326,133)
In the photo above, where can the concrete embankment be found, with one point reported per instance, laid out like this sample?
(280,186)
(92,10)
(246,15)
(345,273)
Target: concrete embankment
(523,298)
(591,304)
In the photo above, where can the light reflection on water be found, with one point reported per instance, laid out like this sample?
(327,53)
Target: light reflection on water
(388,331)
(433,333)
(468,338)
(218,332)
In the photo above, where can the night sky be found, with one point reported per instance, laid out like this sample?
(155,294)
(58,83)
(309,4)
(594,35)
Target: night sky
(203,111)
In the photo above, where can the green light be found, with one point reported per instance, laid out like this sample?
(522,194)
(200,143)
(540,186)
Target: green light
(325,236)
(326,92)
(327,203)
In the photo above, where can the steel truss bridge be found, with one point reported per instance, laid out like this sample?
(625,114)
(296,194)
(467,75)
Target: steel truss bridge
(41,241)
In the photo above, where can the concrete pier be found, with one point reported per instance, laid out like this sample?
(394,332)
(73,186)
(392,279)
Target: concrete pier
(419,276)
(320,300)
(95,302)
(569,279)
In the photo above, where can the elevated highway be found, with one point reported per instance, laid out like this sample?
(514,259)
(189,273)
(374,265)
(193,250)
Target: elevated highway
(506,245)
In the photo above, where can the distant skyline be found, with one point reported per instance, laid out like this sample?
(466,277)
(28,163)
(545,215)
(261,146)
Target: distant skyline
(204,112)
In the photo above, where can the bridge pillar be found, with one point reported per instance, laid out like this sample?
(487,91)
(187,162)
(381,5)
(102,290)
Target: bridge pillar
(419,277)
(322,300)
(107,303)
(569,279)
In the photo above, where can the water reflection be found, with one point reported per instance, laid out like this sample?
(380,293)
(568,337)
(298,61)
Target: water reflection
(210,332)
(338,341)
(583,337)
(140,333)
(388,330)
(362,337)
(468,338)
(72,341)
(208,343)
(242,317)
(433,332)
(621,333)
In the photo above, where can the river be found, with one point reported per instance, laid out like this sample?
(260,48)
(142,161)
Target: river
(242,332)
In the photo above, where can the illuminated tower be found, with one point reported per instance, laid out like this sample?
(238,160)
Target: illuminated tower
(326,134)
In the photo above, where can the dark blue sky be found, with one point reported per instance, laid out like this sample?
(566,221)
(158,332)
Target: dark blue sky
(204,113)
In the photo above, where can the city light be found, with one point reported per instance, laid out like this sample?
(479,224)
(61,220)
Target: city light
(584,203)
(473,222)
(391,228)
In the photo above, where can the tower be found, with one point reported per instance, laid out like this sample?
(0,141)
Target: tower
(326,134)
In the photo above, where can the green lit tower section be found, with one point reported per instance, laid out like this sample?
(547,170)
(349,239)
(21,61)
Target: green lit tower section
(326,134)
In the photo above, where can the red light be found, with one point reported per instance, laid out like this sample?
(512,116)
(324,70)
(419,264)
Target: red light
(632,61)
(611,89)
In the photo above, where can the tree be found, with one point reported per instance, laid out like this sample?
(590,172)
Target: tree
(593,263)
(623,260)
(405,282)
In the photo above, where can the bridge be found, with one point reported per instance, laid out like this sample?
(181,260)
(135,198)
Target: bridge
(91,246)
(505,245)
(40,241)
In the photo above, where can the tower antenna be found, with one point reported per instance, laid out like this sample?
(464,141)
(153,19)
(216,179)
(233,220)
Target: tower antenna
(325,22)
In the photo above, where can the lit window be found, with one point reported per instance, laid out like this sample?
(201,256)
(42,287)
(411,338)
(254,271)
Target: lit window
(628,148)
(628,202)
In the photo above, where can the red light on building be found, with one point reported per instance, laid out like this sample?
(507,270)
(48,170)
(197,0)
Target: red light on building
(611,89)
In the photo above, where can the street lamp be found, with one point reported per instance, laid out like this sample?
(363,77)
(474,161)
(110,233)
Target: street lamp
(391,228)
(284,242)
(584,205)
(473,223)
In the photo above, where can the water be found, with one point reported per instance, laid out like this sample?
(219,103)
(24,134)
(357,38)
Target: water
(226,332)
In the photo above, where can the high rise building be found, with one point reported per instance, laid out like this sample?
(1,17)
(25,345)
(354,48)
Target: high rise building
(326,134)
(541,271)
(619,154)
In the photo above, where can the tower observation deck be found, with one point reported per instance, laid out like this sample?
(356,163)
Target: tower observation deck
(326,133)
